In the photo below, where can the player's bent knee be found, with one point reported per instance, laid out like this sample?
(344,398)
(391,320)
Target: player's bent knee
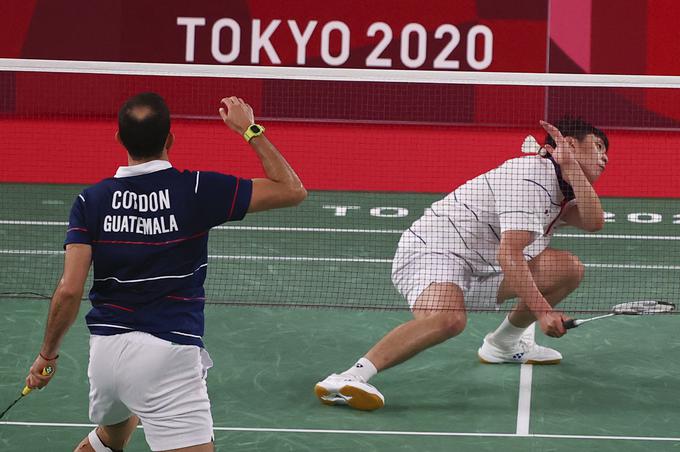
(576,270)
(450,324)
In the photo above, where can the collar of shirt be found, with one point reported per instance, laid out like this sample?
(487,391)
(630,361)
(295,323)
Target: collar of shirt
(143,168)
(566,189)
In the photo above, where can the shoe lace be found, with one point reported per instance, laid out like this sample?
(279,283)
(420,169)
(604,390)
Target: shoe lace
(351,377)
(526,344)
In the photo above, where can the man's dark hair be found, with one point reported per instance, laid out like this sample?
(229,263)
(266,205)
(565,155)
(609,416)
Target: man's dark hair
(144,125)
(577,128)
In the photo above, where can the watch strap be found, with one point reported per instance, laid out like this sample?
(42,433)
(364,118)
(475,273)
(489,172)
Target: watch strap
(254,130)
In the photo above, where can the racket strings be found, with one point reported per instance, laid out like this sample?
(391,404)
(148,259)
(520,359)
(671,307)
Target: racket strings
(643,307)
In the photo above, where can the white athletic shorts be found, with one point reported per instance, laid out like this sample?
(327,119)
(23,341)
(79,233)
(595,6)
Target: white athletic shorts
(161,382)
(413,272)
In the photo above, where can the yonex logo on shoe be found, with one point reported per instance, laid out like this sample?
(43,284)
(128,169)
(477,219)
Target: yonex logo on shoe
(518,356)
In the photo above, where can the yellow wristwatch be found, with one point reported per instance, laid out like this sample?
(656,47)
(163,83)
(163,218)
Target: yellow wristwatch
(255,130)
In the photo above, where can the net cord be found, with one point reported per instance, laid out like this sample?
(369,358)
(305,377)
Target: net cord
(339,74)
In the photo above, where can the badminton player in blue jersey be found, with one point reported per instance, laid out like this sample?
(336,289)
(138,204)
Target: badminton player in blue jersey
(146,232)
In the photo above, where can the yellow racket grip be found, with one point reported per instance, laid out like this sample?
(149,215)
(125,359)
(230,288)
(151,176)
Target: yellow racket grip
(46,372)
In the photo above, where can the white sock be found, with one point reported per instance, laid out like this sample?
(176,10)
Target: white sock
(364,369)
(507,334)
(96,443)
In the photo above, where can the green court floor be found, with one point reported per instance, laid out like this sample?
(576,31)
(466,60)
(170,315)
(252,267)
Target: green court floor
(617,388)
(619,380)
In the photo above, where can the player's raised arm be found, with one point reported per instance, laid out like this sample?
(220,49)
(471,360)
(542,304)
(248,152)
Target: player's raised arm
(521,282)
(588,213)
(282,187)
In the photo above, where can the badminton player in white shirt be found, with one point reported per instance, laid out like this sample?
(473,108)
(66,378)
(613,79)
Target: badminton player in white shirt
(486,243)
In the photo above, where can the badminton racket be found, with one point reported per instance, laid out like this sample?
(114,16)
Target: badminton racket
(26,391)
(641,307)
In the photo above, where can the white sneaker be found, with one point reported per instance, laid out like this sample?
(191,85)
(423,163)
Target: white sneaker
(527,351)
(346,389)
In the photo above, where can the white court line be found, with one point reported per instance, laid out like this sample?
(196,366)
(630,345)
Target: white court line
(357,231)
(34,223)
(378,432)
(303,229)
(304,259)
(359,260)
(620,236)
(32,252)
(635,266)
(524,400)
(389,261)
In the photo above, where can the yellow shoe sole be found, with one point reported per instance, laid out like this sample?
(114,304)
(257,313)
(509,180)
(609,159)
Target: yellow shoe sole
(356,398)
(553,361)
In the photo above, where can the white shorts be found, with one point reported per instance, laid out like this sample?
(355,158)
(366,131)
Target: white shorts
(162,383)
(413,272)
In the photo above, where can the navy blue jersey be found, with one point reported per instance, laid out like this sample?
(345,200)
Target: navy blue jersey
(148,228)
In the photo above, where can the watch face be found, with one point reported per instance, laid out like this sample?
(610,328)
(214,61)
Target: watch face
(254,128)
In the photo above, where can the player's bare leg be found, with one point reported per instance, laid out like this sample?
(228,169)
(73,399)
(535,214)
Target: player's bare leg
(114,437)
(439,314)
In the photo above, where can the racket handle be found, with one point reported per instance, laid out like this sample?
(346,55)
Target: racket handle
(47,371)
(571,323)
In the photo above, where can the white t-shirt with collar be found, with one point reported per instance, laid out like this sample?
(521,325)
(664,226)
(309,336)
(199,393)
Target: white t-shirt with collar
(521,194)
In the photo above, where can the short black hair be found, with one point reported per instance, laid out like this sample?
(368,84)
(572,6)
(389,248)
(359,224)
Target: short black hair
(577,128)
(144,125)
